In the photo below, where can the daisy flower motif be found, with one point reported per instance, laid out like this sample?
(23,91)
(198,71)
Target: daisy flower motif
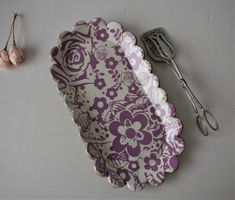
(111,93)
(152,162)
(100,104)
(102,35)
(130,133)
(99,83)
(111,63)
(133,89)
(123,173)
(134,165)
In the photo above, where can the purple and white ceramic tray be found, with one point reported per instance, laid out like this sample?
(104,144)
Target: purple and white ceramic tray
(123,117)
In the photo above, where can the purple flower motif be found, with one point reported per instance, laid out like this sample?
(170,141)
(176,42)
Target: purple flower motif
(99,83)
(100,104)
(95,21)
(111,93)
(152,162)
(102,35)
(130,133)
(119,51)
(73,59)
(133,165)
(133,89)
(123,173)
(111,63)
(123,131)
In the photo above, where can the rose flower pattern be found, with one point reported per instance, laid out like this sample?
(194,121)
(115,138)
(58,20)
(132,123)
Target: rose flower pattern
(132,135)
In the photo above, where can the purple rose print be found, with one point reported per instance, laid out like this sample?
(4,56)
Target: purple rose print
(100,104)
(130,133)
(99,83)
(124,174)
(133,89)
(111,93)
(102,35)
(74,58)
(133,165)
(152,162)
(111,63)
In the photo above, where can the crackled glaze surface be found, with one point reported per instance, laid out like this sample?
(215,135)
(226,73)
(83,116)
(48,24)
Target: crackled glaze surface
(124,119)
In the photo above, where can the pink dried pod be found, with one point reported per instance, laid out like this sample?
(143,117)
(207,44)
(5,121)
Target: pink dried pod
(4,55)
(15,55)
(4,59)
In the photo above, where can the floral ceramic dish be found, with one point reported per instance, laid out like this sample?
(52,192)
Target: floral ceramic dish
(128,127)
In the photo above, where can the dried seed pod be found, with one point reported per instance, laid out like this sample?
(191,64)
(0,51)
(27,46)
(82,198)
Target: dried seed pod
(15,55)
(4,56)
(4,59)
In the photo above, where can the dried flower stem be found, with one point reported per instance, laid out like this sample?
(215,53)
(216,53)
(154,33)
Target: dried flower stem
(12,29)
